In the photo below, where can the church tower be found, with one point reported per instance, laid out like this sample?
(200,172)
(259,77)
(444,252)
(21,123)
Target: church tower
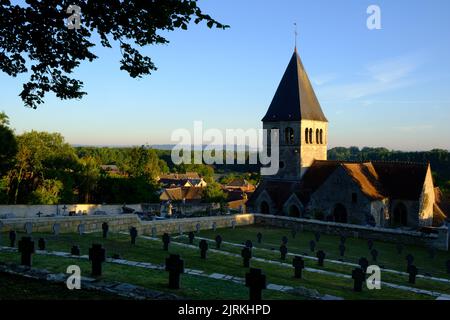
(303,127)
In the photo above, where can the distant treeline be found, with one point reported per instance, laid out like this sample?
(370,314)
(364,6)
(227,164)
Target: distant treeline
(439,160)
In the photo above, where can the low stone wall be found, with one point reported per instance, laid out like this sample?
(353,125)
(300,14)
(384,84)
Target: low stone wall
(123,222)
(439,240)
(70,224)
(30,211)
(190,224)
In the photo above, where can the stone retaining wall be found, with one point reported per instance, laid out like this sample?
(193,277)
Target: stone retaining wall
(30,211)
(123,222)
(439,240)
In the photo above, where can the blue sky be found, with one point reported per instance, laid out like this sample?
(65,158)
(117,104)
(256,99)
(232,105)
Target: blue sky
(386,87)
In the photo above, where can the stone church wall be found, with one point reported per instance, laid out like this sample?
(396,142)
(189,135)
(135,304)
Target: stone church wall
(338,189)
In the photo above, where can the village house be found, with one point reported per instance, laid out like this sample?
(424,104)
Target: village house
(239,184)
(187,195)
(188,179)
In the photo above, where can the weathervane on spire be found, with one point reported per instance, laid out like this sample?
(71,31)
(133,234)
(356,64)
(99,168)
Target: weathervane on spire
(295,34)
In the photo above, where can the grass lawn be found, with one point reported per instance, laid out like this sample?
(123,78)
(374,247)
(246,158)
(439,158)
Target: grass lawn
(355,249)
(203,288)
(20,288)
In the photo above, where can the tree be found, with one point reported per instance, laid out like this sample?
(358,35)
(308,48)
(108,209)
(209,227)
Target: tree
(90,175)
(144,162)
(36,32)
(8,144)
(213,193)
(48,192)
(40,156)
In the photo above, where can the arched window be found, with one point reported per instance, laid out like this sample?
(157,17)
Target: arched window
(400,215)
(289,135)
(317,136)
(294,211)
(321,136)
(340,213)
(310,135)
(264,208)
(275,132)
(307,135)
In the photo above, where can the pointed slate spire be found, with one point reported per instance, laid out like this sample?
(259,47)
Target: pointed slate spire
(295,99)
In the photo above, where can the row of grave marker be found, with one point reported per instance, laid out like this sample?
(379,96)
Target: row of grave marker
(283,248)
(246,252)
(255,279)
(28,227)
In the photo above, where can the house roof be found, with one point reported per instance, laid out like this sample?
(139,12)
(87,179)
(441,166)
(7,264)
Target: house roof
(365,175)
(402,180)
(295,98)
(238,182)
(377,180)
(178,194)
(180,176)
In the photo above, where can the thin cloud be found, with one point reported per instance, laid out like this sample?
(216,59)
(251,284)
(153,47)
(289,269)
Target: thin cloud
(379,77)
(323,79)
(414,128)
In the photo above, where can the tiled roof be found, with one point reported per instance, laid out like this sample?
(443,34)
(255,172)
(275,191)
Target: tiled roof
(180,176)
(178,194)
(366,177)
(238,182)
(377,180)
(401,180)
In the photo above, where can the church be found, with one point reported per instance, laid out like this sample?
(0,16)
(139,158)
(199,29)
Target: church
(307,185)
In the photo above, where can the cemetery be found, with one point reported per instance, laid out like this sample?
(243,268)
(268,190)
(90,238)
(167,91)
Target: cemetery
(241,261)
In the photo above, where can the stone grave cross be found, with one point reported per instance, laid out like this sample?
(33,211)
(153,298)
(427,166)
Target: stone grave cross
(105,229)
(299,264)
(255,280)
(246,255)
(97,255)
(363,263)
(203,245)
(166,241)
(26,248)
(133,235)
(191,237)
(218,241)
(12,238)
(41,244)
(321,257)
(283,251)
(358,276)
(175,266)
